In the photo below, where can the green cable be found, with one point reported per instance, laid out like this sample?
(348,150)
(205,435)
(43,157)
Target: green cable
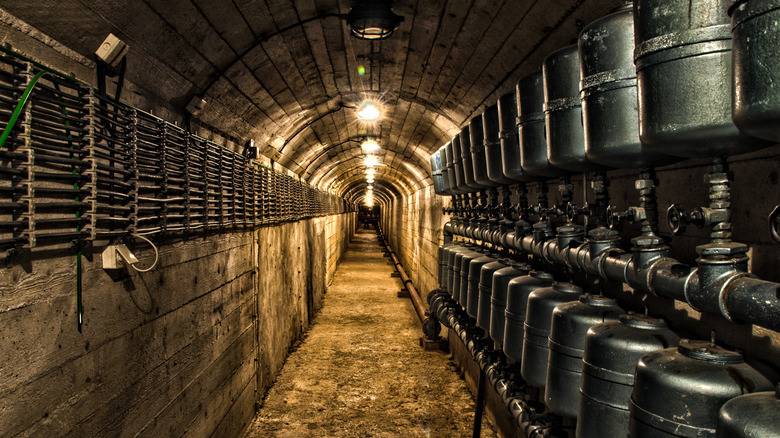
(19,107)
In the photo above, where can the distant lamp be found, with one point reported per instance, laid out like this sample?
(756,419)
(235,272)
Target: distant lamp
(373,19)
(370,161)
(370,172)
(370,180)
(370,145)
(368,111)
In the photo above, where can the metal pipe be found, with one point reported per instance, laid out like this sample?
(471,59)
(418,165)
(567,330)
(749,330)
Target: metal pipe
(416,301)
(734,295)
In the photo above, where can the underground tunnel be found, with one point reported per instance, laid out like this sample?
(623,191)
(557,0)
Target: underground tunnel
(515,218)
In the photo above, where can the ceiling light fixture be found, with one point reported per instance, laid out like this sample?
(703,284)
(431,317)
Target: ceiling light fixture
(370,161)
(367,111)
(373,19)
(370,145)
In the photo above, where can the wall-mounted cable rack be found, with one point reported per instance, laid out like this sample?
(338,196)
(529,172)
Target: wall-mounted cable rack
(78,168)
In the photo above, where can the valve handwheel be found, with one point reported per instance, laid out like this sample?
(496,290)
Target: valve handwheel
(774,224)
(676,219)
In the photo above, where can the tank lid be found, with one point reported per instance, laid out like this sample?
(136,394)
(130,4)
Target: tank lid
(706,351)
(567,288)
(597,300)
(541,275)
(631,319)
(522,267)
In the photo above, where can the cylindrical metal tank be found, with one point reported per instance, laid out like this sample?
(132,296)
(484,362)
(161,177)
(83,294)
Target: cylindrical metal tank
(755,27)
(538,318)
(463,282)
(445,173)
(452,171)
(467,163)
(679,391)
(443,260)
(456,265)
(750,416)
(510,141)
(610,112)
(612,350)
(517,294)
(684,73)
(474,274)
(491,130)
(569,328)
(438,184)
(563,111)
(501,280)
(534,158)
(457,166)
(486,291)
(478,157)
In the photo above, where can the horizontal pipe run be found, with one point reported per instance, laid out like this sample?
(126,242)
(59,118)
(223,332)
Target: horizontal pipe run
(416,301)
(734,295)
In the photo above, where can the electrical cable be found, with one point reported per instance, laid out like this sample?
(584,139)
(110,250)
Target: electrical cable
(156,254)
(20,106)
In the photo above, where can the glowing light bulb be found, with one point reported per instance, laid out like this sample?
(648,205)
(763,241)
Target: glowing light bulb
(368,111)
(370,146)
(371,172)
(370,161)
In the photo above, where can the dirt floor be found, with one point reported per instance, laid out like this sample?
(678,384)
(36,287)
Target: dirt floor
(360,372)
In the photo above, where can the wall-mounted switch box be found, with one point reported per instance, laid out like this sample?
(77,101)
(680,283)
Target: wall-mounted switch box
(115,256)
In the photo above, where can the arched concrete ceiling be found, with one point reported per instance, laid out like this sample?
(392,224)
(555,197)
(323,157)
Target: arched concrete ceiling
(290,86)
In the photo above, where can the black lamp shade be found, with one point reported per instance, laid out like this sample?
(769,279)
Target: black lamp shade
(373,19)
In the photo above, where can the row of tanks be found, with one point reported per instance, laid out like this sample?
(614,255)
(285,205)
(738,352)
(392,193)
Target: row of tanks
(652,83)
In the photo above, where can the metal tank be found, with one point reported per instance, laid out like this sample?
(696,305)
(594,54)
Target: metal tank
(474,276)
(438,183)
(491,131)
(684,74)
(517,293)
(478,156)
(534,158)
(679,391)
(445,172)
(457,166)
(538,318)
(467,162)
(452,172)
(486,291)
(612,350)
(755,27)
(501,280)
(610,112)
(455,265)
(563,111)
(443,260)
(569,328)
(509,138)
(750,416)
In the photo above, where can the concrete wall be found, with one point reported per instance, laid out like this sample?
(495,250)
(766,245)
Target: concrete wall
(189,347)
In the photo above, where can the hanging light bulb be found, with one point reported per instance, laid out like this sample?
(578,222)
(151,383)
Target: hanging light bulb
(370,161)
(370,180)
(370,172)
(373,19)
(370,145)
(368,111)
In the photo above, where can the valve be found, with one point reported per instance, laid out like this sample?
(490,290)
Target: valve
(677,219)
(616,218)
(572,211)
(774,224)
